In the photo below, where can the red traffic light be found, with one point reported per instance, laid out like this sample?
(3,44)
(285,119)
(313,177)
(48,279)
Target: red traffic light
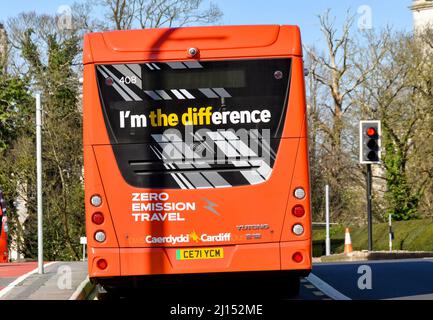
(369,141)
(371,132)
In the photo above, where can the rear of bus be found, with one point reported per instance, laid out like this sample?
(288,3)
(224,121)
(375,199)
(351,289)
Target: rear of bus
(195,152)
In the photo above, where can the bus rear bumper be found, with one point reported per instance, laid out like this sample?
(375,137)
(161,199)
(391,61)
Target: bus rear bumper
(236,258)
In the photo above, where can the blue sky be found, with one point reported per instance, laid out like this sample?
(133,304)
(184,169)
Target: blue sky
(303,13)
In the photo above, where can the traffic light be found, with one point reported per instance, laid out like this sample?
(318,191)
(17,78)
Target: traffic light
(369,141)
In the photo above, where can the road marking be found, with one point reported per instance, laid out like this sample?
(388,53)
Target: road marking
(428,296)
(309,286)
(326,288)
(20,279)
(318,293)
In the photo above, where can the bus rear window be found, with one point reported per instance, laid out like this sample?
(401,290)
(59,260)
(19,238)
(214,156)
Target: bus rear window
(141,100)
(206,124)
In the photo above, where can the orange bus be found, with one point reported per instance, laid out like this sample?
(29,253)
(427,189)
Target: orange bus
(195,153)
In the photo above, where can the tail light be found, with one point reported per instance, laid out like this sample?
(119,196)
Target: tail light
(102,264)
(298,211)
(98,218)
(297,257)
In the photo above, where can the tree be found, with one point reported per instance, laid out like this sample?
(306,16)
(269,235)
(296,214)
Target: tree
(335,78)
(50,59)
(126,14)
(315,135)
(4,48)
(400,90)
(15,114)
(14,109)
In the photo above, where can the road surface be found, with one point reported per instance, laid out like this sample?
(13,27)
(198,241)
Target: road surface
(366,280)
(373,280)
(9,272)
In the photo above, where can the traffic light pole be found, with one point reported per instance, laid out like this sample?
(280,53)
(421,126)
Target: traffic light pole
(369,212)
(369,153)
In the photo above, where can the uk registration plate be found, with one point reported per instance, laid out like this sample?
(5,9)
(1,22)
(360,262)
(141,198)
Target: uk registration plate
(202,253)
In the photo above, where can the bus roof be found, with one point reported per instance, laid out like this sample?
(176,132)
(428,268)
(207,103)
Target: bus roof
(214,42)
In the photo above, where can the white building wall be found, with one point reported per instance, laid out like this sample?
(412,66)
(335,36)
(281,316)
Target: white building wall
(422,14)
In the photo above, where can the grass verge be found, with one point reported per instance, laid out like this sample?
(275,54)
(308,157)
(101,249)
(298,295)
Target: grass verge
(414,235)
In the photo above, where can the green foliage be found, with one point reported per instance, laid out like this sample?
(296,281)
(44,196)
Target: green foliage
(14,109)
(17,178)
(414,235)
(402,203)
(50,61)
(63,189)
(15,115)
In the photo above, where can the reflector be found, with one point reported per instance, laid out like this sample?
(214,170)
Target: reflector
(96,200)
(100,236)
(298,229)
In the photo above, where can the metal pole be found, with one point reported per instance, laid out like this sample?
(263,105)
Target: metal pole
(39,182)
(390,231)
(369,213)
(328,239)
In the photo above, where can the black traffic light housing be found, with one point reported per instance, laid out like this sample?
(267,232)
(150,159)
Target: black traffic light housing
(369,141)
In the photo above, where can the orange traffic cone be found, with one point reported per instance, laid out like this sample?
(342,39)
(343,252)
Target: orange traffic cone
(347,242)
